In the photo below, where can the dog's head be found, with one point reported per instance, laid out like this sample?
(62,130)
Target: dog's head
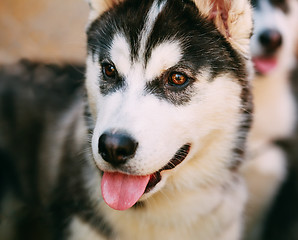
(167,86)
(274,35)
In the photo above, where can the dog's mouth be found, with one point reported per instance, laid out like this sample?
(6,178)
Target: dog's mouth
(175,161)
(121,191)
(265,64)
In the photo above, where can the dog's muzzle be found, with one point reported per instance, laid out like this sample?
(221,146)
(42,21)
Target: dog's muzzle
(119,190)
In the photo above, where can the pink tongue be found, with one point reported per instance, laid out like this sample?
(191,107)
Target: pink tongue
(264,65)
(121,191)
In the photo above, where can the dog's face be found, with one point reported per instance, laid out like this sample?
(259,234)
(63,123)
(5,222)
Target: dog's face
(274,34)
(163,85)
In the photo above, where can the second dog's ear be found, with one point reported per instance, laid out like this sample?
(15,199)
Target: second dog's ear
(233,18)
(97,7)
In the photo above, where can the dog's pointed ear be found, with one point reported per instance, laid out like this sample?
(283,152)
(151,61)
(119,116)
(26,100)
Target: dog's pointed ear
(233,18)
(97,7)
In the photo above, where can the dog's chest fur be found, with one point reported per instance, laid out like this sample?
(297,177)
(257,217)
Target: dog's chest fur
(176,216)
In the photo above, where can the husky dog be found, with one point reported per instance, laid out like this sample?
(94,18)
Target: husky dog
(169,92)
(273,49)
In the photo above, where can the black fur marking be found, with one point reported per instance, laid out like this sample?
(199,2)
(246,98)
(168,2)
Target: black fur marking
(247,118)
(254,3)
(179,156)
(127,18)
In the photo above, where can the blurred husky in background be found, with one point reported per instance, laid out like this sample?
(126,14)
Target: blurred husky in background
(273,51)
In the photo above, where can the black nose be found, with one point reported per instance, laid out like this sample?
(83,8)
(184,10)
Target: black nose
(116,148)
(271,40)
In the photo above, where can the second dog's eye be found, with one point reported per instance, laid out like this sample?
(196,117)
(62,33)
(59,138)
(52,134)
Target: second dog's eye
(177,79)
(109,70)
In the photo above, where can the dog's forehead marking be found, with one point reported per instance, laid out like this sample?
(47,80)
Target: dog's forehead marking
(163,56)
(150,19)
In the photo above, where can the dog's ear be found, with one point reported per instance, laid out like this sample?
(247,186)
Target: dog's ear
(233,18)
(97,7)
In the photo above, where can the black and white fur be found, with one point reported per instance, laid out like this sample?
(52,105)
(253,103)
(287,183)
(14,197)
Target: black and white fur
(146,42)
(274,38)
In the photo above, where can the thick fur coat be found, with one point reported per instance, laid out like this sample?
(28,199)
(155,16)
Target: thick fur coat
(135,49)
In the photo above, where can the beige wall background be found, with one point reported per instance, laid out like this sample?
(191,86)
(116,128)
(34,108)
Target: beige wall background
(43,30)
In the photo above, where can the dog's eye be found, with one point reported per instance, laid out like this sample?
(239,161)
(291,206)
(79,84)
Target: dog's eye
(177,79)
(109,70)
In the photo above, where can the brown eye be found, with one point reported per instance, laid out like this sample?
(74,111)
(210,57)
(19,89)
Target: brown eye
(177,79)
(109,70)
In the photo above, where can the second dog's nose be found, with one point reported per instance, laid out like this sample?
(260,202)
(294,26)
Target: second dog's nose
(116,148)
(271,40)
